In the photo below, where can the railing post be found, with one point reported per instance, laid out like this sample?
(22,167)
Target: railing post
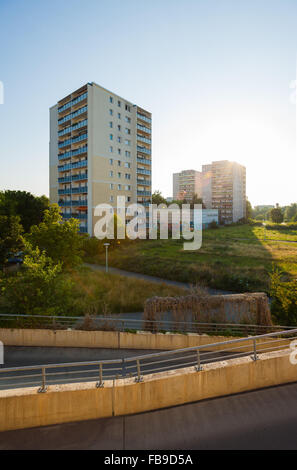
(198,367)
(254,356)
(100,384)
(43,387)
(139,378)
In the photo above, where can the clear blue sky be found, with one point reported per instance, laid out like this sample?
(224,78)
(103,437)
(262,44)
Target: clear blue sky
(214,73)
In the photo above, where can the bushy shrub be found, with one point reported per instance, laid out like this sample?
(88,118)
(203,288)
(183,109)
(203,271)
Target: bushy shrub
(284,299)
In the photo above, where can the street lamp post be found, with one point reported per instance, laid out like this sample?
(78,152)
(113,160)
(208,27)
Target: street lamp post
(106,256)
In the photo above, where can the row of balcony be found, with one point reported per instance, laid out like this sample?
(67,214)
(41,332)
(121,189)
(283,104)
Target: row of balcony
(72,166)
(143,193)
(73,102)
(144,150)
(63,203)
(73,115)
(144,118)
(68,179)
(75,216)
(143,139)
(73,153)
(83,189)
(144,129)
(141,171)
(144,182)
(73,141)
(76,126)
(144,160)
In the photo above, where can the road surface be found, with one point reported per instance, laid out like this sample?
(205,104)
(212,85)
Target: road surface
(263,419)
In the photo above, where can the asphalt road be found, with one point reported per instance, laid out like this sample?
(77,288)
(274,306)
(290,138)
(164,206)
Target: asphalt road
(263,419)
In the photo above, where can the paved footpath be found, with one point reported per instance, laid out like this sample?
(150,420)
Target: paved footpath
(145,277)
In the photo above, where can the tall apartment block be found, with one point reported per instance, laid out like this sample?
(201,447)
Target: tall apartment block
(224,188)
(100,147)
(186,184)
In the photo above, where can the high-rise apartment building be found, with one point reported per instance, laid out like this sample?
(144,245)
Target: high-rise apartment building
(224,188)
(100,148)
(186,184)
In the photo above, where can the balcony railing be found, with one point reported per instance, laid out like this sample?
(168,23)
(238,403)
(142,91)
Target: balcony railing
(143,139)
(70,166)
(66,179)
(75,216)
(73,115)
(64,191)
(144,128)
(73,203)
(144,160)
(73,102)
(141,171)
(143,193)
(76,126)
(73,153)
(144,118)
(83,189)
(79,177)
(83,229)
(144,150)
(73,141)
(144,182)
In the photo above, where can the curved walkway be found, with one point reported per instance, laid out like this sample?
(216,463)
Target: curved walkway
(262,419)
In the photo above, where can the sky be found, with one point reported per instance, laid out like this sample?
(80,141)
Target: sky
(216,75)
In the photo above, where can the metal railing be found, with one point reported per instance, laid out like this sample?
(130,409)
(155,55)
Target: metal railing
(138,366)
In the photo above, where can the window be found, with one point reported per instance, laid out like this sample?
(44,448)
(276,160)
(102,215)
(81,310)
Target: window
(111,99)
(119,115)
(110,124)
(111,149)
(128,199)
(127,108)
(111,185)
(119,151)
(127,131)
(119,104)
(119,128)
(119,175)
(111,173)
(111,161)
(127,176)
(111,112)
(127,119)
(128,188)
(119,187)
(127,153)
(111,136)
(111,198)
(119,162)
(127,165)
(127,142)
(119,139)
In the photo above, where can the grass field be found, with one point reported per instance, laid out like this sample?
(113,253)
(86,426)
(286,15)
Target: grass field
(231,258)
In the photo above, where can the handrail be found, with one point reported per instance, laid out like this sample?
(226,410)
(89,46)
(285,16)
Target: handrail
(167,360)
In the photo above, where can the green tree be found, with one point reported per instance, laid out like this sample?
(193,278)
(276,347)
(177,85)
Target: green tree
(276,215)
(291,212)
(157,198)
(38,288)
(29,208)
(60,240)
(249,210)
(284,299)
(11,240)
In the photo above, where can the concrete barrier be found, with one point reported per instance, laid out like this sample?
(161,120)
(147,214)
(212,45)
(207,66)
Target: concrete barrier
(24,408)
(118,340)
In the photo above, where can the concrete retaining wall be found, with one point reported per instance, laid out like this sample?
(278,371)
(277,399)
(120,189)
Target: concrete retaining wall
(24,408)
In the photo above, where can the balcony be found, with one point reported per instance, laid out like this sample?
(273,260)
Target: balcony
(66,179)
(143,193)
(73,141)
(72,102)
(144,129)
(144,118)
(75,216)
(144,182)
(84,176)
(69,129)
(73,153)
(73,115)
(64,191)
(73,203)
(144,150)
(83,229)
(143,139)
(144,161)
(81,190)
(141,171)
(70,166)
